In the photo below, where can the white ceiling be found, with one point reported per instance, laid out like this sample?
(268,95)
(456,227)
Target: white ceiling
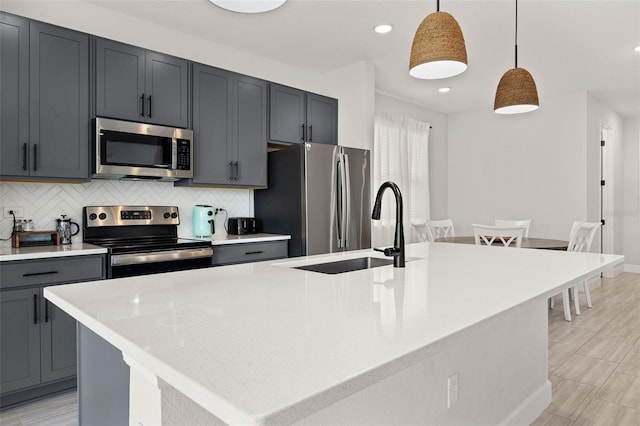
(567,45)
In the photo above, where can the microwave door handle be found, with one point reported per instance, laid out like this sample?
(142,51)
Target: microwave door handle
(174,153)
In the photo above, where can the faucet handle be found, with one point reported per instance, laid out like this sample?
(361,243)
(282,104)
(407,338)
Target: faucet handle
(389,251)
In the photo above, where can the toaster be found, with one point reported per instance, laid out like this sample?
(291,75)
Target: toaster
(241,225)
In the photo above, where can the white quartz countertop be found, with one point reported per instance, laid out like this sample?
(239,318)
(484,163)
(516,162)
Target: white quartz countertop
(223,239)
(264,343)
(8,253)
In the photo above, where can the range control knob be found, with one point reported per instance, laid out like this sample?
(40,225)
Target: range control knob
(102,216)
(93,216)
(174,215)
(167,215)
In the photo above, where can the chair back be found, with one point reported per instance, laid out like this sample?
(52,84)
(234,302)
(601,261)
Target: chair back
(526,223)
(507,235)
(423,231)
(581,236)
(441,228)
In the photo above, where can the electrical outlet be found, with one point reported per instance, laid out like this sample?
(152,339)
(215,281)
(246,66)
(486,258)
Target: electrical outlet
(452,390)
(18,211)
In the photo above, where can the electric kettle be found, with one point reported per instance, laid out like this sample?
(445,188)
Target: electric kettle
(64,228)
(202,220)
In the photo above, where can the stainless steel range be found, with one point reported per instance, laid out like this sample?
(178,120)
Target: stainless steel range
(142,240)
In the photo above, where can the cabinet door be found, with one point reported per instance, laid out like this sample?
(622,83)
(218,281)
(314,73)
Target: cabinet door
(212,125)
(322,119)
(19,339)
(286,114)
(59,102)
(120,91)
(58,342)
(250,129)
(14,95)
(166,87)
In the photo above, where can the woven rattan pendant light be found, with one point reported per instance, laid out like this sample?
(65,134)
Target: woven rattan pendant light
(438,49)
(517,92)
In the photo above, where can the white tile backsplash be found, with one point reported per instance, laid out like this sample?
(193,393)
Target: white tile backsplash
(45,202)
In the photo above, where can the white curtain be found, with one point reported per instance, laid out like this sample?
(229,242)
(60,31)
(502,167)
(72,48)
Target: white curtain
(401,155)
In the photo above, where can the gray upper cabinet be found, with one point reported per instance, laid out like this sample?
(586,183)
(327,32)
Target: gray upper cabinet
(230,129)
(45,101)
(296,116)
(139,85)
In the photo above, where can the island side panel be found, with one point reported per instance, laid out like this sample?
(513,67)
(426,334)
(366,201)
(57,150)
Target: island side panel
(103,381)
(502,379)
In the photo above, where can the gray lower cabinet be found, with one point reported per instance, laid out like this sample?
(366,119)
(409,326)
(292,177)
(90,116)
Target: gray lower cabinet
(296,116)
(37,339)
(249,252)
(135,84)
(44,77)
(230,129)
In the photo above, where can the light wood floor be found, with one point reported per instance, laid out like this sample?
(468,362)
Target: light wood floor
(594,366)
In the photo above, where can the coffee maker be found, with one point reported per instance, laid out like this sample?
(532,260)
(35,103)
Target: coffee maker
(202,220)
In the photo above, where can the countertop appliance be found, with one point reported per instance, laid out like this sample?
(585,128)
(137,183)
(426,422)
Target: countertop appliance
(142,240)
(241,225)
(203,220)
(320,195)
(128,150)
(63,226)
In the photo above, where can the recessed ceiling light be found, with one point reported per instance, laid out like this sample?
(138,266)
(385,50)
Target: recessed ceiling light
(444,89)
(249,6)
(383,28)
(637,49)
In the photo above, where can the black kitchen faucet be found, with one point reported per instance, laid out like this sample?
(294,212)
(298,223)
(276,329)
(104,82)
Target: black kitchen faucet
(397,251)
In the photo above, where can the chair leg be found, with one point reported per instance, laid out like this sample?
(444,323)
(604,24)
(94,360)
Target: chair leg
(576,300)
(552,303)
(587,293)
(565,304)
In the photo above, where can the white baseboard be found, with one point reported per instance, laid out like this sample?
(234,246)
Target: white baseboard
(531,408)
(632,268)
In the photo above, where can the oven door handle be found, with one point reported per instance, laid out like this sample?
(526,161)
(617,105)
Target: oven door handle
(161,256)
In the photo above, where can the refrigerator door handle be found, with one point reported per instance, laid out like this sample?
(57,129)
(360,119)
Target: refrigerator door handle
(341,202)
(347,200)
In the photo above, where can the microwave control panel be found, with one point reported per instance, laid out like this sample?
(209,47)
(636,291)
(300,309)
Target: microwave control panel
(183,160)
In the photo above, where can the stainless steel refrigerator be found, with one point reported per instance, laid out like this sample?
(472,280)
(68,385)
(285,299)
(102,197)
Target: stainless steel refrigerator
(320,195)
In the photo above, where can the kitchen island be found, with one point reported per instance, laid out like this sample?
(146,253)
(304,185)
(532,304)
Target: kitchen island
(459,336)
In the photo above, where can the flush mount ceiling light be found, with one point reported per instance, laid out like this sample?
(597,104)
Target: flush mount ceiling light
(249,6)
(438,49)
(637,49)
(383,28)
(517,92)
(444,89)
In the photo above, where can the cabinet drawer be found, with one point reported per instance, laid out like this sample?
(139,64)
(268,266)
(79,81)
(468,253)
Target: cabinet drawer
(249,252)
(57,270)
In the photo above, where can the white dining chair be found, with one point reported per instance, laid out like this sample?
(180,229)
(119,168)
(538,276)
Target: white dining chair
(507,235)
(423,232)
(441,228)
(580,239)
(526,223)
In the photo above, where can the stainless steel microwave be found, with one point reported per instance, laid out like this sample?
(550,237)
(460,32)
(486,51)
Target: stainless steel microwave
(128,150)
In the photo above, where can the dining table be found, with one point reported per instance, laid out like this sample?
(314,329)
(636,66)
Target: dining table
(527,242)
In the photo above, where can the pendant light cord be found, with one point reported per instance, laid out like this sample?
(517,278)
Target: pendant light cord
(437,5)
(516,33)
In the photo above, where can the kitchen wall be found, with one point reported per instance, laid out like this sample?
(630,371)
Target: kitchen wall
(522,166)
(44,202)
(546,166)
(630,212)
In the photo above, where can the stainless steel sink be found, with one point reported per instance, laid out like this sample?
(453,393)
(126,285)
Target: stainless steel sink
(348,265)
